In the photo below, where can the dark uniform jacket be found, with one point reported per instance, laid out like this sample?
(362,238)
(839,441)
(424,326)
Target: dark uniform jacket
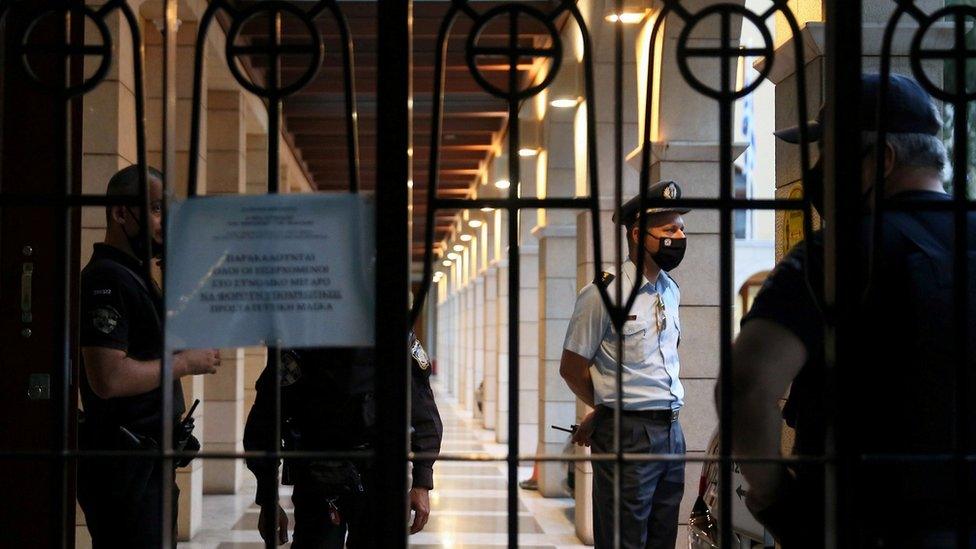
(903,371)
(327,404)
(120,310)
(121,496)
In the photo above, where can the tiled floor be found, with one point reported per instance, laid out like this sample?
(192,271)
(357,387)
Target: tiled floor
(468,505)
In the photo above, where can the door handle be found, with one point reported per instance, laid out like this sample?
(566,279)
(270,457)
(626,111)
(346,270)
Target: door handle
(26,292)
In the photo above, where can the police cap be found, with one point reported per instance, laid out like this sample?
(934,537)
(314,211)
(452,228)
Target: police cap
(662,190)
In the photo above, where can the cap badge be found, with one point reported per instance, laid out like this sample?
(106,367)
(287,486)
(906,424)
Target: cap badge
(671,191)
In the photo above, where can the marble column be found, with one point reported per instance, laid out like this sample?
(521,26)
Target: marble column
(528,321)
(190,478)
(501,410)
(556,233)
(224,392)
(490,415)
(478,336)
(602,106)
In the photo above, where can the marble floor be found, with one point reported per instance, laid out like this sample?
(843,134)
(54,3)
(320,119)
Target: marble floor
(468,504)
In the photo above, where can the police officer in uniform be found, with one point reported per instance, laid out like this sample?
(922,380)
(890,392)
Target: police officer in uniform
(652,393)
(327,404)
(121,346)
(903,366)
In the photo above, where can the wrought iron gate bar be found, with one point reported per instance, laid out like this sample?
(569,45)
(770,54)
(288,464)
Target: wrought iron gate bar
(72,200)
(629,457)
(14,455)
(586,203)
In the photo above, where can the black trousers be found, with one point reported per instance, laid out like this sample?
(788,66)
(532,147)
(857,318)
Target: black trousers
(122,502)
(650,492)
(314,528)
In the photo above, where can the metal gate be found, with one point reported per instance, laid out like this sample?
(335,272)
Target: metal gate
(394,95)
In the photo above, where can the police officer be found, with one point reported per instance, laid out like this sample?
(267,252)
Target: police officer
(121,347)
(327,404)
(652,393)
(902,365)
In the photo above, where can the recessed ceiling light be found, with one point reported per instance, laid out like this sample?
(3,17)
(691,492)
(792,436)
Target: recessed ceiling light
(565,102)
(475,223)
(627,17)
(503,184)
(465,238)
(458,248)
(446,263)
(486,210)
(526,152)
(452,255)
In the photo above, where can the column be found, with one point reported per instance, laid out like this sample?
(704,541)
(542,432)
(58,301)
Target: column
(501,410)
(478,328)
(224,392)
(528,313)
(471,315)
(490,415)
(586,269)
(190,478)
(465,332)
(556,232)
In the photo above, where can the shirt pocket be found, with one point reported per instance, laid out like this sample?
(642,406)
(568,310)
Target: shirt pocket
(635,341)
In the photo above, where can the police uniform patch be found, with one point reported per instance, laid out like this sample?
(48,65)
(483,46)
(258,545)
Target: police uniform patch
(105,319)
(291,372)
(604,279)
(670,192)
(420,355)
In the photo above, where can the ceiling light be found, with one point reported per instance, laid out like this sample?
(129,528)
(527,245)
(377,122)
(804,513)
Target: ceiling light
(565,102)
(452,255)
(465,238)
(446,263)
(503,184)
(475,223)
(627,17)
(487,210)
(527,152)
(458,248)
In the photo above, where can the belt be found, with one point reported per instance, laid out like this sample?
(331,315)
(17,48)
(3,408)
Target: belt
(652,415)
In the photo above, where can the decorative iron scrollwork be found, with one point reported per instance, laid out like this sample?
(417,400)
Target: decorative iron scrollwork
(64,51)
(512,52)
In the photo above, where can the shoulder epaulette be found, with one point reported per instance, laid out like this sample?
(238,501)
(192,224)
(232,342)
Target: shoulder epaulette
(673,281)
(604,279)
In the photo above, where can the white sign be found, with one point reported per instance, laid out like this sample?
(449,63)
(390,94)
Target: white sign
(290,270)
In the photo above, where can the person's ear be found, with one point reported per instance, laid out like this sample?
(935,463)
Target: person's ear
(889,159)
(118,214)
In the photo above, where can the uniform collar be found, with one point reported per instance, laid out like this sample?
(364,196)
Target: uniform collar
(629,270)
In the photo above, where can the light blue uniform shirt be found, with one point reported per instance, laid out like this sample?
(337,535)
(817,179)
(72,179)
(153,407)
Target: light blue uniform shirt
(650,364)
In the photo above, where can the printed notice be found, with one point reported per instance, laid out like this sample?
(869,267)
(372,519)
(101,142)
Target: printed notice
(288,270)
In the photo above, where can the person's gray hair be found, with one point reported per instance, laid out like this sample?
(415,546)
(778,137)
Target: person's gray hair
(915,150)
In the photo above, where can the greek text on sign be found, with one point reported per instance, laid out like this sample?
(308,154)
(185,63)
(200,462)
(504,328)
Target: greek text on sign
(289,270)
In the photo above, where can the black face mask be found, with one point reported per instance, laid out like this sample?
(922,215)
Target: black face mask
(670,252)
(138,242)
